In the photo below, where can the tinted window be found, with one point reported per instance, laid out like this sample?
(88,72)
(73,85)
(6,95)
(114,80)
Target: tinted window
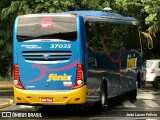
(30,28)
(115,36)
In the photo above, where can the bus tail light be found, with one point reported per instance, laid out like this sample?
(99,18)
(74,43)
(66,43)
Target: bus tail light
(79,82)
(17,82)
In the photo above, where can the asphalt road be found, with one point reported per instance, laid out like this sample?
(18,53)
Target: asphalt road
(146,107)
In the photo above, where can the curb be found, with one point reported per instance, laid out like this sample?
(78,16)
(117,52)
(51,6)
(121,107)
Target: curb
(6,104)
(6,87)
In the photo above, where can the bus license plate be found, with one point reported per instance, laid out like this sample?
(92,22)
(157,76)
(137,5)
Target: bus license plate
(46,99)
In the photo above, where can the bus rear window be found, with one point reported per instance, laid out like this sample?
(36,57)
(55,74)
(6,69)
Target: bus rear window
(52,27)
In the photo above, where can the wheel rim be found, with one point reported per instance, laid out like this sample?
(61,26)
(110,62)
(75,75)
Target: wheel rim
(137,84)
(103,98)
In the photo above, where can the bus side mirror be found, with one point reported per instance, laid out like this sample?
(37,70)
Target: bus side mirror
(149,39)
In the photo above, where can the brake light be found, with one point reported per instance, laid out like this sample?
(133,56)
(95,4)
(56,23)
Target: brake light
(17,82)
(79,82)
(153,70)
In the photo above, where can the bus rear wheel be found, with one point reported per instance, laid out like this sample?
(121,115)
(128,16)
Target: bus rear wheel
(133,94)
(102,104)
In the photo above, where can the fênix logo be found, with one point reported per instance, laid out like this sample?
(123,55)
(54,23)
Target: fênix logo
(55,77)
(131,62)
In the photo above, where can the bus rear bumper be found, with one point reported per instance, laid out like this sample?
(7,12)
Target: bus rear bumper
(77,96)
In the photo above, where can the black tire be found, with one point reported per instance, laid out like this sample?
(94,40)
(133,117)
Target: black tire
(133,95)
(102,104)
(138,84)
(156,83)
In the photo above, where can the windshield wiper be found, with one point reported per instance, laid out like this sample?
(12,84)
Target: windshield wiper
(63,36)
(23,38)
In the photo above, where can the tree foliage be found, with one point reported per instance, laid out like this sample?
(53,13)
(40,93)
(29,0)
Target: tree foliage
(152,8)
(146,11)
(11,8)
(5,42)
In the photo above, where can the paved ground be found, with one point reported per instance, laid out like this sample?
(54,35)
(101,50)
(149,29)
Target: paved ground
(4,102)
(146,107)
(148,102)
(6,88)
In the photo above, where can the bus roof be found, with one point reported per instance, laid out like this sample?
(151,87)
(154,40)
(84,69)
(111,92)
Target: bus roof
(93,13)
(87,14)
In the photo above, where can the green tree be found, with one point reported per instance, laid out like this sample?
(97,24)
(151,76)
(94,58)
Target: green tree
(140,10)
(152,7)
(9,9)
(5,42)
(146,11)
